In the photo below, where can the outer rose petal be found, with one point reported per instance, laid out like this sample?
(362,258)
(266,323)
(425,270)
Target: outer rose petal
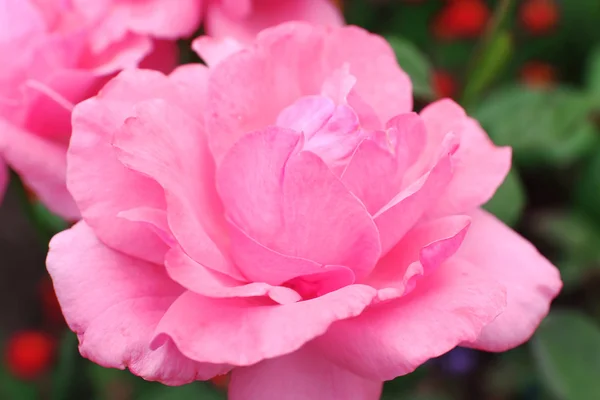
(42,166)
(162,142)
(244,26)
(241,331)
(480,166)
(392,339)
(95,121)
(113,302)
(303,374)
(92,163)
(531,280)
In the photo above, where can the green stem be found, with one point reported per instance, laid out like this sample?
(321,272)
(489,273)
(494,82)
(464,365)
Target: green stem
(490,36)
(491,31)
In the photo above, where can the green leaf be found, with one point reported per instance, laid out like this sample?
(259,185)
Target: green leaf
(566,348)
(110,383)
(193,391)
(509,200)
(587,192)
(543,127)
(415,64)
(67,375)
(575,239)
(405,386)
(13,388)
(511,373)
(592,76)
(488,66)
(359,12)
(51,222)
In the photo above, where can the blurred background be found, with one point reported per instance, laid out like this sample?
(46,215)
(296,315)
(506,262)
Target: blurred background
(529,71)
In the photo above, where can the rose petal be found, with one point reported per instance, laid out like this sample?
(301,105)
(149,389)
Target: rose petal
(242,331)
(391,339)
(531,280)
(376,169)
(92,161)
(114,302)
(163,143)
(213,51)
(405,209)
(429,243)
(24,153)
(262,264)
(294,205)
(249,89)
(199,279)
(303,374)
(380,82)
(480,166)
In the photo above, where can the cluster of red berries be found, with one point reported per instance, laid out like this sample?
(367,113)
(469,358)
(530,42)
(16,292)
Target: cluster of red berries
(467,19)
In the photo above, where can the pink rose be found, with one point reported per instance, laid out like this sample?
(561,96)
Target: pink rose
(284,215)
(56,53)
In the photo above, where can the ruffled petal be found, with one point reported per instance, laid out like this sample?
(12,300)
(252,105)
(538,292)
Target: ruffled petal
(243,331)
(393,338)
(303,374)
(531,280)
(114,302)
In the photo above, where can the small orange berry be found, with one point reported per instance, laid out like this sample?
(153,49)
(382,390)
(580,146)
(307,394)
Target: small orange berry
(29,354)
(539,17)
(443,84)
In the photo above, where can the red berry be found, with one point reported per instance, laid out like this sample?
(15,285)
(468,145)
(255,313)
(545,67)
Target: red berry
(538,74)
(29,354)
(461,19)
(539,16)
(443,84)
(221,381)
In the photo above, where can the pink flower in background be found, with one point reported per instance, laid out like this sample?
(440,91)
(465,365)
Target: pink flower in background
(243,19)
(56,53)
(283,214)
